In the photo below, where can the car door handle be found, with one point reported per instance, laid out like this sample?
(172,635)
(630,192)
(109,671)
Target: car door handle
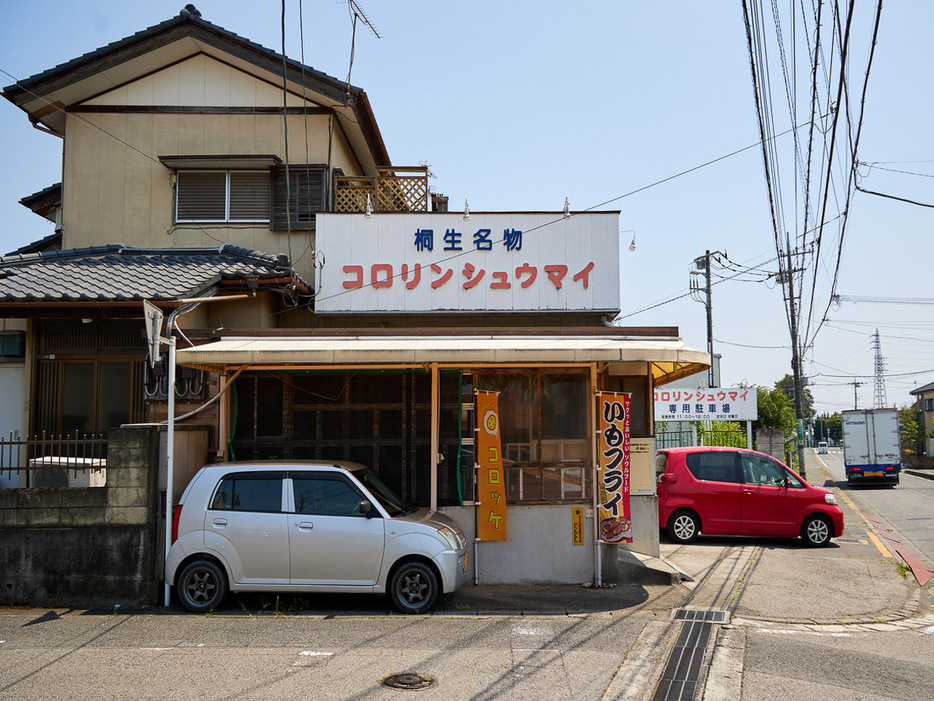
(305,525)
(747,491)
(220,522)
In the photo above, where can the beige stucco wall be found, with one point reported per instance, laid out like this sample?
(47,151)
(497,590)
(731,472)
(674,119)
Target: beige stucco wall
(261,312)
(115,190)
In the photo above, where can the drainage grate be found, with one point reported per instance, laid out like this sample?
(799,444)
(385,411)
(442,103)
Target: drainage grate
(682,673)
(707,616)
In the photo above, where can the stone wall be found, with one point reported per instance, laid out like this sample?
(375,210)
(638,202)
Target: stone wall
(87,546)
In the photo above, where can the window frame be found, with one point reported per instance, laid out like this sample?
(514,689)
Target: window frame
(228,173)
(235,477)
(301,206)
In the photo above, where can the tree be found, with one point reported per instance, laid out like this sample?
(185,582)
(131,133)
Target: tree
(834,425)
(775,411)
(787,386)
(910,429)
(726,433)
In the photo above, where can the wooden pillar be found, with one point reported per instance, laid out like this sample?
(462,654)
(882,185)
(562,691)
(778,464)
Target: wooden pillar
(435,433)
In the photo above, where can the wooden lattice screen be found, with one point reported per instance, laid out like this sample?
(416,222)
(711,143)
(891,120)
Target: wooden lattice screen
(392,190)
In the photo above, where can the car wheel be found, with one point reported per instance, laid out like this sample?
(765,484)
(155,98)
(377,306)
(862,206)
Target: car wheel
(414,588)
(816,531)
(202,586)
(684,527)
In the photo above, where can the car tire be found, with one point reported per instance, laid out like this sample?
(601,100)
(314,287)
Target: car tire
(817,531)
(684,526)
(201,586)
(414,587)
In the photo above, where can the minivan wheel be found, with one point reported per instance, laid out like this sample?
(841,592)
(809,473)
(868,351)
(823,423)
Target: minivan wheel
(816,531)
(414,588)
(201,586)
(684,527)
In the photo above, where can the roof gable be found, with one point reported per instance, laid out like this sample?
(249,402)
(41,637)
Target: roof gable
(198,81)
(47,96)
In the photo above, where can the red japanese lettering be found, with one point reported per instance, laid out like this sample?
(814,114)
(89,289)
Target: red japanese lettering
(472,280)
(355,270)
(501,281)
(526,269)
(416,275)
(436,269)
(375,279)
(585,275)
(556,274)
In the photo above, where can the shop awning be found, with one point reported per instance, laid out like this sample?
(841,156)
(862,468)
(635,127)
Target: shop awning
(669,359)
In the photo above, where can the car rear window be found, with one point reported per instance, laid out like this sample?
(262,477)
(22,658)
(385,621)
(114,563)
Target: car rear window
(257,491)
(713,467)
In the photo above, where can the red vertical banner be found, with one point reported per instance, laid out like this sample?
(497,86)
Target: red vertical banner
(614,466)
(491,479)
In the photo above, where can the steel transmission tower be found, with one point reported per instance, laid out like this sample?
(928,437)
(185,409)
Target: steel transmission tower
(879,400)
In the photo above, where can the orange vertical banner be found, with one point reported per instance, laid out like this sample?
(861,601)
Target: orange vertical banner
(614,466)
(491,479)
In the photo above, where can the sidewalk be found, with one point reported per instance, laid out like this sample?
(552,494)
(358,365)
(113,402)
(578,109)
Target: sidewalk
(853,580)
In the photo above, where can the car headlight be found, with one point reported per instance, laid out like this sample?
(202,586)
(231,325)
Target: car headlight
(451,537)
(830,498)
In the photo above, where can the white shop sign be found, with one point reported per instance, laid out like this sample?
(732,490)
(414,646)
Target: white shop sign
(491,262)
(715,404)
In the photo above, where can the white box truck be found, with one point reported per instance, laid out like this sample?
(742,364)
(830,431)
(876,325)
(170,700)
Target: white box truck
(871,449)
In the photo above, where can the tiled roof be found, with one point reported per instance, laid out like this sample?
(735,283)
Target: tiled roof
(52,242)
(116,273)
(155,29)
(922,390)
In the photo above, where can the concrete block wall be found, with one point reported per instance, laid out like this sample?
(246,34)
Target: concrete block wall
(87,546)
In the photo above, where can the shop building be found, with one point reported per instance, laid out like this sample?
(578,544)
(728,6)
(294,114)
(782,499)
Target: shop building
(322,308)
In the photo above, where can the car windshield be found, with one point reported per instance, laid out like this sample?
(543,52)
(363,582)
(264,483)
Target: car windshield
(389,499)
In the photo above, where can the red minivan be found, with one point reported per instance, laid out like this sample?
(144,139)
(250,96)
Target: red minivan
(732,491)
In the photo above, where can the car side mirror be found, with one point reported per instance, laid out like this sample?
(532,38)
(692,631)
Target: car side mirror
(366,508)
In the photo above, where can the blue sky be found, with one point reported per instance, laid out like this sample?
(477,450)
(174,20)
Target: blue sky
(517,105)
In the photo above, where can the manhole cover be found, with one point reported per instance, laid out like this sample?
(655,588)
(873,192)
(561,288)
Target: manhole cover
(408,681)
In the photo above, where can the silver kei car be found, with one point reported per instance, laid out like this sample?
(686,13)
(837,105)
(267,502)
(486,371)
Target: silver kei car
(308,527)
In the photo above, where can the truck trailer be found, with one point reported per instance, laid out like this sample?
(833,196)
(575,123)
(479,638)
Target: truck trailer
(871,449)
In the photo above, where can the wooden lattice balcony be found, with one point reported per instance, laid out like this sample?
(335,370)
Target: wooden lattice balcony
(392,190)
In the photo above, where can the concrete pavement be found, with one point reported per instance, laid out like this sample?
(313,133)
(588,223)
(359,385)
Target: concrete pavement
(502,641)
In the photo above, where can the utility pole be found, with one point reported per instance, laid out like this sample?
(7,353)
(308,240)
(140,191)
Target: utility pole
(703,263)
(856,385)
(796,366)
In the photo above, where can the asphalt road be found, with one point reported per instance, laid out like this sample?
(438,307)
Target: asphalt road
(477,651)
(906,508)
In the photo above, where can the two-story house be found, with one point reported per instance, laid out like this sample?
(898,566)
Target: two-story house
(252,198)
(925,398)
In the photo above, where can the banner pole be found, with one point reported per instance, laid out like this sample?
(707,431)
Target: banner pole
(594,431)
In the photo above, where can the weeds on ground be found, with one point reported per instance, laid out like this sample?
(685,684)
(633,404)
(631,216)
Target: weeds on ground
(903,569)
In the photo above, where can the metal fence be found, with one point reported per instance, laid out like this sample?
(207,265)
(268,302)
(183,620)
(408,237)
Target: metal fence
(74,460)
(699,436)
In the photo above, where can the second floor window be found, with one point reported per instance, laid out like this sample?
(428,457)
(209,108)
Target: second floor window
(222,196)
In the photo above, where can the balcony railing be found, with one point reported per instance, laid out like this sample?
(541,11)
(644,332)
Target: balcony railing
(392,190)
(73,460)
